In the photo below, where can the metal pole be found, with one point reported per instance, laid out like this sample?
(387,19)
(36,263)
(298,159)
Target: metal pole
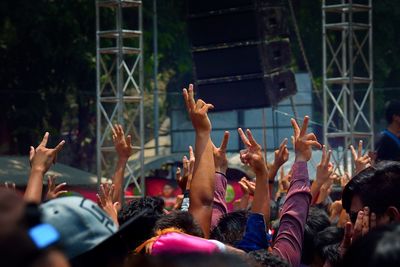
(155,56)
(371,76)
(98,102)
(325,99)
(141,84)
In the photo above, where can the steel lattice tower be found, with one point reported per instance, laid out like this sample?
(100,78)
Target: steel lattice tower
(119,64)
(348,110)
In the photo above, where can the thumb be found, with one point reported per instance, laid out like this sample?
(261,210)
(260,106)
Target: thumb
(116,205)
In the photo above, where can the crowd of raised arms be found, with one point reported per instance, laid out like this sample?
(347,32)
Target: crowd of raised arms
(296,224)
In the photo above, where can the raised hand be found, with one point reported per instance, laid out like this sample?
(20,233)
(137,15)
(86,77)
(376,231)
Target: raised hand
(105,201)
(281,154)
(324,168)
(220,159)
(365,222)
(122,144)
(197,111)
(54,191)
(185,179)
(248,187)
(252,155)
(302,141)
(361,162)
(42,158)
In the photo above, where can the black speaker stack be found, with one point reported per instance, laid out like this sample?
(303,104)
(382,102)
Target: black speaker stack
(241,52)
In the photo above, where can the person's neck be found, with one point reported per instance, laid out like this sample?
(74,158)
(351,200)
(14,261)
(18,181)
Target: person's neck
(394,129)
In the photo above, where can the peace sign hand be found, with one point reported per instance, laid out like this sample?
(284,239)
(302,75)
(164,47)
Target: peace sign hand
(197,111)
(302,141)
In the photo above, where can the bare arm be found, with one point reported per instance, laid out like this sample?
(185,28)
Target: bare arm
(253,156)
(281,156)
(203,183)
(324,171)
(41,160)
(123,147)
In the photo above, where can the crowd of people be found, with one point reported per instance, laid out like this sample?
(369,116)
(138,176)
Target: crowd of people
(296,224)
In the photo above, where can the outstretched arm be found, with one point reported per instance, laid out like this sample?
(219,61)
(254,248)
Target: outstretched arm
(324,171)
(41,160)
(281,156)
(203,182)
(123,147)
(253,156)
(289,240)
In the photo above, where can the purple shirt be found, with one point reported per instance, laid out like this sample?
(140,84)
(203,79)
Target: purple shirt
(219,205)
(289,240)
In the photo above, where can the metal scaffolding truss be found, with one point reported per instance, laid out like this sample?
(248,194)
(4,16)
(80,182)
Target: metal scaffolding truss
(348,103)
(119,64)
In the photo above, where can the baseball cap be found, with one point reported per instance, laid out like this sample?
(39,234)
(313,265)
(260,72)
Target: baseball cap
(81,223)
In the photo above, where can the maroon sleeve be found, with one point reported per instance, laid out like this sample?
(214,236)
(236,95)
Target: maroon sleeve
(219,205)
(289,240)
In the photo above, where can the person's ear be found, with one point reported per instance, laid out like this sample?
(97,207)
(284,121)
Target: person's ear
(393,214)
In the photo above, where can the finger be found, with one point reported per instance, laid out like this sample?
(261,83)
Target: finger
(31,152)
(49,184)
(365,221)
(129,140)
(102,193)
(59,146)
(59,187)
(360,145)
(99,201)
(304,126)
(225,141)
(191,96)
(251,138)
(353,152)
(328,158)
(314,144)
(186,99)
(121,130)
(243,137)
(347,235)
(296,128)
(191,153)
(283,144)
(358,224)
(45,139)
(111,192)
(323,157)
(372,222)
(206,107)
(116,205)
(311,136)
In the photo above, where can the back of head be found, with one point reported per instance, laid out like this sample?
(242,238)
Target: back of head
(230,228)
(380,247)
(377,187)
(317,221)
(181,220)
(392,109)
(266,259)
(355,187)
(327,244)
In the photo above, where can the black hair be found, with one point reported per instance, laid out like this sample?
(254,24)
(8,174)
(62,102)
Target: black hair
(266,259)
(153,208)
(327,244)
(378,187)
(392,108)
(179,219)
(355,187)
(230,228)
(380,247)
(317,221)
